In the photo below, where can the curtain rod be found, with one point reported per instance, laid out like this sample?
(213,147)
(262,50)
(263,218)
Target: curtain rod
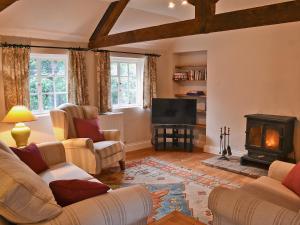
(72,48)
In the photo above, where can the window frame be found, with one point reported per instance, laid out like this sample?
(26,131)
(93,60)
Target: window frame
(140,62)
(39,57)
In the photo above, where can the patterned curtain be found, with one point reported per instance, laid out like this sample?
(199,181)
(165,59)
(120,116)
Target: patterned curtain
(150,81)
(78,85)
(15,70)
(103,81)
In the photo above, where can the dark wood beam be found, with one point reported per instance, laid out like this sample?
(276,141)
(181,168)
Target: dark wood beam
(5,3)
(109,19)
(260,16)
(204,11)
(178,29)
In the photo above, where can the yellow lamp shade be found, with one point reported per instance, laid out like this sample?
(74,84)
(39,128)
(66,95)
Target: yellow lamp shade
(19,114)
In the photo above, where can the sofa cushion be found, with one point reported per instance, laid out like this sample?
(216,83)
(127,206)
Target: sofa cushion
(273,191)
(67,192)
(24,196)
(88,128)
(292,180)
(64,171)
(107,148)
(7,149)
(32,157)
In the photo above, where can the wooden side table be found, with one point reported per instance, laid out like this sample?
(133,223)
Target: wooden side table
(177,218)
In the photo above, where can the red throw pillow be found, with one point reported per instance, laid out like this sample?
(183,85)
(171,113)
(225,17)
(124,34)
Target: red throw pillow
(88,128)
(292,180)
(32,157)
(67,192)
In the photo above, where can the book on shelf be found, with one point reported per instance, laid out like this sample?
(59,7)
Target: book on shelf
(192,75)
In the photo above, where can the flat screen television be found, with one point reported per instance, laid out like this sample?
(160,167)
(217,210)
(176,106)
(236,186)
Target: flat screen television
(174,111)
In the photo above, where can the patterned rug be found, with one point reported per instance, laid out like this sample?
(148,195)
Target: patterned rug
(173,187)
(233,165)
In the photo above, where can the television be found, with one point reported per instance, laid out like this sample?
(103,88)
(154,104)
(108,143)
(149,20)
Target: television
(174,111)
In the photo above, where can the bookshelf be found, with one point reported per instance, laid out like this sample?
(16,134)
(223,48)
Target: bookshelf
(190,81)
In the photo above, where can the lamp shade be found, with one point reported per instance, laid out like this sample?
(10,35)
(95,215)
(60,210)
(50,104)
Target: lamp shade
(19,114)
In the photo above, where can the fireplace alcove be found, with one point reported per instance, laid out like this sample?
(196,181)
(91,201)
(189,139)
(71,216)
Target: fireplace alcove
(268,138)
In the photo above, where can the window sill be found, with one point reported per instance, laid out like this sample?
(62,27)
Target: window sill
(127,107)
(41,115)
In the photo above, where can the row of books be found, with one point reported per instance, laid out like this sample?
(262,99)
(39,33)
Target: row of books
(191,75)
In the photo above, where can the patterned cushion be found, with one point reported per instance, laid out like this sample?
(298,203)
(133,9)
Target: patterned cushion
(107,148)
(24,197)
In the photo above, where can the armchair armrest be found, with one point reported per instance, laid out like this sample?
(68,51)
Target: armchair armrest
(79,143)
(240,208)
(279,170)
(112,135)
(52,152)
(125,206)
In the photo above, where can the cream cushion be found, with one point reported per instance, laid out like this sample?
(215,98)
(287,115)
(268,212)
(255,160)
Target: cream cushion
(24,196)
(272,190)
(64,171)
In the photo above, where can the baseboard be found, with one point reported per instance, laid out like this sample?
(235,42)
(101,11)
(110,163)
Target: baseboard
(215,150)
(137,146)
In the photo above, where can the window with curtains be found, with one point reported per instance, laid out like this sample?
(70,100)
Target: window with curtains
(48,81)
(126,82)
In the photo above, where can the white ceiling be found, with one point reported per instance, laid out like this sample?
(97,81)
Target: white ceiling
(75,20)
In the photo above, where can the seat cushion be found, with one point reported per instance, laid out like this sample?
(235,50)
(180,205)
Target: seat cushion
(107,148)
(64,171)
(24,196)
(273,191)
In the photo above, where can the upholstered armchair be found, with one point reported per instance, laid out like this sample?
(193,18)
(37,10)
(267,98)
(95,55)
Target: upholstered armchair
(83,152)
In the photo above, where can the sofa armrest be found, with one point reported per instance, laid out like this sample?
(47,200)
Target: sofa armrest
(279,170)
(52,152)
(112,135)
(125,206)
(239,208)
(79,143)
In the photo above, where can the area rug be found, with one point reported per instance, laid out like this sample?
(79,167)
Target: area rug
(233,165)
(174,187)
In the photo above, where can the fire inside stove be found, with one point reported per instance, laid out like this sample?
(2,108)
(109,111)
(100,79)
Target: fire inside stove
(272,139)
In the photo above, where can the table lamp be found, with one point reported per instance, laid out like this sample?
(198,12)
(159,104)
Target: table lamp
(18,115)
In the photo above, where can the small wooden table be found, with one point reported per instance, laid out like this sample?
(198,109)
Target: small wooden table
(177,218)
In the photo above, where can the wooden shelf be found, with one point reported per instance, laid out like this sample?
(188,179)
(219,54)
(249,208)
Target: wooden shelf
(189,96)
(201,125)
(201,111)
(204,81)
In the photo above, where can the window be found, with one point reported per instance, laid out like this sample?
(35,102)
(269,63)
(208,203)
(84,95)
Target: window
(48,84)
(126,82)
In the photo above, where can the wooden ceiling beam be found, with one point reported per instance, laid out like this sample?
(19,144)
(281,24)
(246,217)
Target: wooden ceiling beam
(261,16)
(5,3)
(109,19)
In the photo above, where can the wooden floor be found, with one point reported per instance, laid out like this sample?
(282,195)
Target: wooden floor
(185,159)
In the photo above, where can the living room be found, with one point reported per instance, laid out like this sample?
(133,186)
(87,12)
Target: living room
(252,70)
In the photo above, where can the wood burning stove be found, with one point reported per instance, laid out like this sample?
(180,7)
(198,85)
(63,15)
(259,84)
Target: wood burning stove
(268,138)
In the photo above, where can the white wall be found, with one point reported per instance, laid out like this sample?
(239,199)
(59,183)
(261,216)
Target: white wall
(254,70)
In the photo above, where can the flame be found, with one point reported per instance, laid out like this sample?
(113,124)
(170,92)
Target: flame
(272,139)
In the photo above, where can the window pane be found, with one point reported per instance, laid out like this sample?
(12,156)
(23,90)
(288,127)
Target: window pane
(33,67)
(114,90)
(132,69)
(33,85)
(124,97)
(48,101)
(46,68)
(61,99)
(47,85)
(34,103)
(132,83)
(132,97)
(114,69)
(60,84)
(123,69)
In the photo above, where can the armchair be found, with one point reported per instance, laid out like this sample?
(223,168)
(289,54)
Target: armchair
(83,152)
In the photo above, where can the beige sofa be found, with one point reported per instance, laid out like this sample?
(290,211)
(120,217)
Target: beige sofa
(125,206)
(265,201)
(89,156)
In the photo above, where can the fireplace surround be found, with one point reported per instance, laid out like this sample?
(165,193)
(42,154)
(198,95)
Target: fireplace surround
(268,138)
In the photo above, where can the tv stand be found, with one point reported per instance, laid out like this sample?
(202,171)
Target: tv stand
(181,136)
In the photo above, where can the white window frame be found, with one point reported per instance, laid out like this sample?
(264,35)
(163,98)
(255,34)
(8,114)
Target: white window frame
(140,76)
(39,57)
